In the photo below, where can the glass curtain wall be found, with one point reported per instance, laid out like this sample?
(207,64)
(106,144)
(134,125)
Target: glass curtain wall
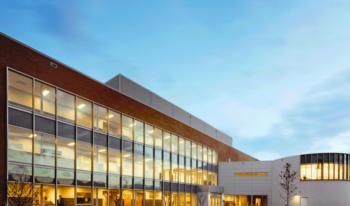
(73,150)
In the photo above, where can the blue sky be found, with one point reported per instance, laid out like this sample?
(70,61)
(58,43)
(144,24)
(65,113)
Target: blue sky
(272,74)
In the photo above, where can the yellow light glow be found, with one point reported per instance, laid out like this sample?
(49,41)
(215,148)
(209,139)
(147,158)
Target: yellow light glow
(102,150)
(71,144)
(81,106)
(45,92)
(32,135)
(110,116)
(126,155)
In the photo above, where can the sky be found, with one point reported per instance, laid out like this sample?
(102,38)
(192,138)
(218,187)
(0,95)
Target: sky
(274,75)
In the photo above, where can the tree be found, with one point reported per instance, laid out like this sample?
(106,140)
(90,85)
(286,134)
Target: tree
(19,191)
(287,183)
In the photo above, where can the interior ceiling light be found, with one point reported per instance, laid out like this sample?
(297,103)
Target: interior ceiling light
(45,92)
(81,106)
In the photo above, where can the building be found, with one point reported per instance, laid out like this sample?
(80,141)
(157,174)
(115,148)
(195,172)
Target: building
(323,180)
(68,139)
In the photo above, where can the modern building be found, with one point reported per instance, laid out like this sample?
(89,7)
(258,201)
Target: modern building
(322,180)
(68,139)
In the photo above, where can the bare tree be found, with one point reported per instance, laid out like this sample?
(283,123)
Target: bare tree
(287,183)
(115,198)
(201,199)
(19,191)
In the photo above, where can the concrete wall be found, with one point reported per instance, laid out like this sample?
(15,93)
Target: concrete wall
(147,97)
(317,193)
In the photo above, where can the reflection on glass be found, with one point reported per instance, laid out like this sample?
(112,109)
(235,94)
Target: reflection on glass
(127,159)
(148,162)
(149,135)
(19,145)
(20,90)
(181,146)
(65,196)
(127,127)
(138,133)
(84,113)
(114,197)
(166,166)
(166,141)
(138,198)
(44,157)
(114,123)
(84,151)
(100,118)
(174,168)
(158,138)
(174,144)
(138,160)
(114,155)
(65,106)
(100,197)
(44,98)
(158,164)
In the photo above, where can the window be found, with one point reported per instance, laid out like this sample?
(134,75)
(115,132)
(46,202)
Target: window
(188,148)
(127,127)
(20,90)
(100,118)
(127,196)
(166,141)
(138,160)
(181,146)
(84,156)
(84,113)
(158,138)
(114,124)
(138,131)
(148,162)
(114,155)
(44,157)
(100,159)
(174,168)
(65,153)
(166,166)
(127,158)
(65,106)
(181,169)
(20,145)
(194,150)
(174,144)
(44,98)
(44,194)
(149,135)
(158,164)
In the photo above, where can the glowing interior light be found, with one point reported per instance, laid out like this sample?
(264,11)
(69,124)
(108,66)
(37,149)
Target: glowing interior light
(45,92)
(81,106)
(110,116)
(126,155)
(32,135)
(71,144)
(150,131)
(102,150)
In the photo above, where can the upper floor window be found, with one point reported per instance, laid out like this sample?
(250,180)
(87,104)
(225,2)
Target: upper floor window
(100,118)
(44,98)
(84,113)
(20,90)
(114,123)
(65,106)
(127,128)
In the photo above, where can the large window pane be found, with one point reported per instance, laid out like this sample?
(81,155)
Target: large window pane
(65,196)
(149,195)
(84,196)
(138,160)
(158,164)
(84,113)
(149,135)
(174,168)
(166,166)
(158,138)
(194,150)
(139,196)
(127,158)
(181,169)
(114,123)
(138,131)
(100,159)
(65,146)
(84,151)
(44,195)
(114,197)
(148,162)
(16,198)
(20,145)
(127,127)
(174,144)
(128,197)
(20,90)
(181,146)
(114,155)
(166,141)
(158,199)
(44,157)
(44,98)
(188,148)
(65,106)
(100,118)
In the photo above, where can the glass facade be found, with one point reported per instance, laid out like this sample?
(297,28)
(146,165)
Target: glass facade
(72,151)
(245,200)
(325,166)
